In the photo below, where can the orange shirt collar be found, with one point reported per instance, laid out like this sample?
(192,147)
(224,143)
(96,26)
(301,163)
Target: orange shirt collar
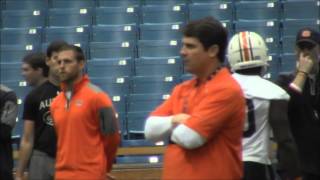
(198,82)
(76,86)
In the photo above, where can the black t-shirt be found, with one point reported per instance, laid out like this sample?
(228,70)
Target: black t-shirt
(37,109)
(303,113)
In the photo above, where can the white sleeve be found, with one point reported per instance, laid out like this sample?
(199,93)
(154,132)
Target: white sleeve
(187,137)
(158,128)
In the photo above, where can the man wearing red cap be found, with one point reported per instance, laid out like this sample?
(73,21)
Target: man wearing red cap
(304,105)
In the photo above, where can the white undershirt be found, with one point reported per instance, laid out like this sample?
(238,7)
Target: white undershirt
(160,128)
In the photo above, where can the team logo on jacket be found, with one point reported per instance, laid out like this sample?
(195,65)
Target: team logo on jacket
(79,102)
(47,119)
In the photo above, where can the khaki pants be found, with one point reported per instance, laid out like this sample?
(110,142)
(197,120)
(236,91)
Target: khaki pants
(41,166)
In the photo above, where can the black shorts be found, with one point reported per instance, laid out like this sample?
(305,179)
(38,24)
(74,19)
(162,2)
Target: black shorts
(257,171)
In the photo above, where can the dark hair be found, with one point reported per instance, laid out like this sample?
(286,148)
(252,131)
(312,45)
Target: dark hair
(37,60)
(79,55)
(208,31)
(54,47)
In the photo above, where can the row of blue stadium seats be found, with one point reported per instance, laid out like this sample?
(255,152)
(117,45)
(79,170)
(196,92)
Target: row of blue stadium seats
(288,5)
(98,50)
(155,14)
(44,4)
(148,31)
(119,67)
(130,50)
(106,33)
(115,81)
(275,33)
(142,159)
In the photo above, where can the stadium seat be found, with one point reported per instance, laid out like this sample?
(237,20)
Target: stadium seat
(17,131)
(117,3)
(229,26)
(207,1)
(21,35)
(26,4)
(15,53)
(19,86)
(10,72)
(165,2)
(117,15)
(120,105)
(288,44)
(153,84)
(301,9)
(110,67)
(186,76)
(70,17)
(288,62)
(163,13)
(112,50)
(219,10)
(114,86)
(158,66)
(122,122)
(268,29)
(160,31)
(139,142)
(23,18)
(292,26)
(159,48)
(257,10)
(108,33)
(73,4)
(258,0)
(144,102)
(154,159)
(136,122)
(22,90)
(68,34)
(2,5)
(274,66)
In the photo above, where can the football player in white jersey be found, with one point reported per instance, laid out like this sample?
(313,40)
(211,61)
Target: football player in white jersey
(266,110)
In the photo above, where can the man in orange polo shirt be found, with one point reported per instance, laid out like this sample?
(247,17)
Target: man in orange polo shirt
(204,116)
(85,122)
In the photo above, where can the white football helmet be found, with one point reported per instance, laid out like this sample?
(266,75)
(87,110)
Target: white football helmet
(247,50)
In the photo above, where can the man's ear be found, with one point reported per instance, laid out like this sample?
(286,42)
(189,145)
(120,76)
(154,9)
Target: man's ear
(82,64)
(213,51)
(47,61)
(40,71)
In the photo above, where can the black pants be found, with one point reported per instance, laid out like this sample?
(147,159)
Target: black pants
(257,171)
(6,161)
(308,176)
